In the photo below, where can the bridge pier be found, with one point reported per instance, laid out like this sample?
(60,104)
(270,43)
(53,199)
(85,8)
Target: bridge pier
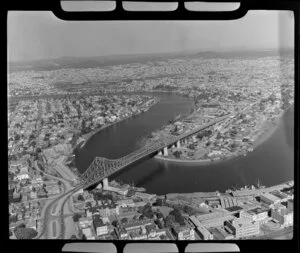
(105,183)
(178,144)
(165,152)
(160,153)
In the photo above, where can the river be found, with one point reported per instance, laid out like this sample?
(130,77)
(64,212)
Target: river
(271,163)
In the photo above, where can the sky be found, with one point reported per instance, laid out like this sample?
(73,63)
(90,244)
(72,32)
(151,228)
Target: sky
(41,35)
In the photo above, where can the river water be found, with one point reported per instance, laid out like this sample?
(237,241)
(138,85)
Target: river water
(271,163)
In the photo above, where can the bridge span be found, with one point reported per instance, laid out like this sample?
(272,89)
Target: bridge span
(101,168)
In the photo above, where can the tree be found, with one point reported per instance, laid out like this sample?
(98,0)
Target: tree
(177,153)
(124,220)
(80,197)
(189,210)
(17,137)
(163,237)
(159,224)
(170,220)
(192,146)
(25,233)
(200,135)
(178,216)
(115,223)
(73,237)
(159,215)
(76,217)
(22,225)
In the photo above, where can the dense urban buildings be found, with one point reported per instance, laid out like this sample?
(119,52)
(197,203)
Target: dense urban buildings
(54,112)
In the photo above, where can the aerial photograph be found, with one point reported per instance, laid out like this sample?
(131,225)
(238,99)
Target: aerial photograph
(150,130)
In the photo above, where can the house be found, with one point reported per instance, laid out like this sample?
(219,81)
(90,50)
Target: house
(107,208)
(85,222)
(184,233)
(26,205)
(33,194)
(136,225)
(27,215)
(20,216)
(92,211)
(160,232)
(290,205)
(53,189)
(151,230)
(37,181)
(125,203)
(23,174)
(41,193)
(16,196)
(123,234)
(34,214)
(138,236)
(32,223)
(145,196)
(34,204)
(24,197)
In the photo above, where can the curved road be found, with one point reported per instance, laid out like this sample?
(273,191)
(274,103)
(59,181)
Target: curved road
(47,211)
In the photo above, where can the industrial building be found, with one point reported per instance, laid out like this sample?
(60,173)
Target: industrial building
(283,215)
(215,219)
(269,199)
(202,231)
(258,214)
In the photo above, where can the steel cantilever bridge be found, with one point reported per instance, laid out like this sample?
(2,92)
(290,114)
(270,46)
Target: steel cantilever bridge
(101,168)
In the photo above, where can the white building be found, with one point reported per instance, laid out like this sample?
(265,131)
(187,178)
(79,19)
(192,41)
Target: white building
(85,222)
(243,227)
(88,233)
(256,214)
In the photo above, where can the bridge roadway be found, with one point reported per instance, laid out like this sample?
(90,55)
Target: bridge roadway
(102,168)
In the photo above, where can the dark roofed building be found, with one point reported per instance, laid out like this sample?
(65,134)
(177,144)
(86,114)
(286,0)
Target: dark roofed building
(234,209)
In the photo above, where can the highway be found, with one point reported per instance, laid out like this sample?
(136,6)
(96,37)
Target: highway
(48,214)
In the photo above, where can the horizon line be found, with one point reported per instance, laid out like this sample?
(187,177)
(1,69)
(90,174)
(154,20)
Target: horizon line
(203,50)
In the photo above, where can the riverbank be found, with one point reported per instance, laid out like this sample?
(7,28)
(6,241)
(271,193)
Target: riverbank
(92,133)
(245,190)
(197,162)
(269,127)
